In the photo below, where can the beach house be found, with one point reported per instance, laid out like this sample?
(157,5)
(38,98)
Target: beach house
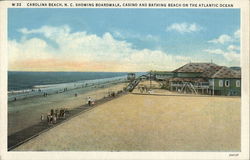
(206,78)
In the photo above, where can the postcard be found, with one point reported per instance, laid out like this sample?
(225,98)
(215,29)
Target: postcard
(124,79)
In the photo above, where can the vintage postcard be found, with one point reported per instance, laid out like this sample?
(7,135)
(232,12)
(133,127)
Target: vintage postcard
(124,80)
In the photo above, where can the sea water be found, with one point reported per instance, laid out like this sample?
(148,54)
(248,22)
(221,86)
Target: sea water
(27,84)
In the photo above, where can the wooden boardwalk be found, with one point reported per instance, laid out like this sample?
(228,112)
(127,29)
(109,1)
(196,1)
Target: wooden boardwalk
(20,137)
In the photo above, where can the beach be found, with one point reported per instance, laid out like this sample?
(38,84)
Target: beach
(160,121)
(26,112)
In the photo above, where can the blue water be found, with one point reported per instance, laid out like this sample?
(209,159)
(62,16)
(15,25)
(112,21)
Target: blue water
(26,80)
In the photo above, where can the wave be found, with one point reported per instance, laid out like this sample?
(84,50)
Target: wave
(40,90)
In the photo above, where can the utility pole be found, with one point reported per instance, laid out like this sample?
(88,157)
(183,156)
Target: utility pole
(150,79)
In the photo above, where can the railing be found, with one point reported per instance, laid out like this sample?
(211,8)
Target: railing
(197,86)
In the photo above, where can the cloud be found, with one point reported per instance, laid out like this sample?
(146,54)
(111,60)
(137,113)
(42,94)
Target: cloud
(222,39)
(230,53)
(231,56)
(81,51)
(233,47)
(48,31)
(237,34)
(131,35)
(225,38)
(184,27)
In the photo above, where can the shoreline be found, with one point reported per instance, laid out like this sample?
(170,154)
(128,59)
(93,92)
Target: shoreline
(50,89)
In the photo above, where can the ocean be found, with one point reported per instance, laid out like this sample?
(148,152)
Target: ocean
(27,80)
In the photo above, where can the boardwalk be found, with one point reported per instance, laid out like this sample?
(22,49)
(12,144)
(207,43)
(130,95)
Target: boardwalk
(20,137)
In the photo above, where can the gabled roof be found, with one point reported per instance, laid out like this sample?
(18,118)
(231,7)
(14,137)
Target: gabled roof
(210,71)
(195,67)
(226,72)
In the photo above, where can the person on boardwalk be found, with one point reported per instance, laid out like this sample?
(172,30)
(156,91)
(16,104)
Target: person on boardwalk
(57,113)
(42,117)
(89,101)
(48,118)
(52,112)
(54,118)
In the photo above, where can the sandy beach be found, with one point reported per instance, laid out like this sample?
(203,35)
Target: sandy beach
(149,122)
(26,112)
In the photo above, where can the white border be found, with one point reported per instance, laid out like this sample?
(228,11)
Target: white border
(244,154)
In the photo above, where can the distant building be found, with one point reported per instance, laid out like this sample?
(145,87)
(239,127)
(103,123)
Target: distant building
(204,78)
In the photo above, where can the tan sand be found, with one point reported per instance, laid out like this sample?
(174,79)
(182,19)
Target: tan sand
(28,111)
(149,123)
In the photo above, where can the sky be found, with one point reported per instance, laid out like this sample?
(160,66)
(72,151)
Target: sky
(121,40)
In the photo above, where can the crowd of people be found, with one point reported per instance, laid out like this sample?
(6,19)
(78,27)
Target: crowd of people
(55,114)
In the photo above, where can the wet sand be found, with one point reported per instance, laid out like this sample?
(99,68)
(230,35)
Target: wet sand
(26,112)
(149,123)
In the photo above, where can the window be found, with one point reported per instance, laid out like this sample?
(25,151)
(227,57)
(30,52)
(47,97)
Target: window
(211,82)
(227,84)
(238,83)
(220,83)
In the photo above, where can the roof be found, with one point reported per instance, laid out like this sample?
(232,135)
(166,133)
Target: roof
(211,71)
(225,72)
(195,67)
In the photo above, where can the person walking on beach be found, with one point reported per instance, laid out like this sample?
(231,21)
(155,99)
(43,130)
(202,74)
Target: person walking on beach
(89,101)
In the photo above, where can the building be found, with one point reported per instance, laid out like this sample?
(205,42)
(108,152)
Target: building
(162,75)
(225,82)
(206,78)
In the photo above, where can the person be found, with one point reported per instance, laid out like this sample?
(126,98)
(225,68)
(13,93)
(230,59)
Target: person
(56,113)
(89,101)
(42,117)
(51,111)
(54,119)
(51,119)
(63,113)
(48,118)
